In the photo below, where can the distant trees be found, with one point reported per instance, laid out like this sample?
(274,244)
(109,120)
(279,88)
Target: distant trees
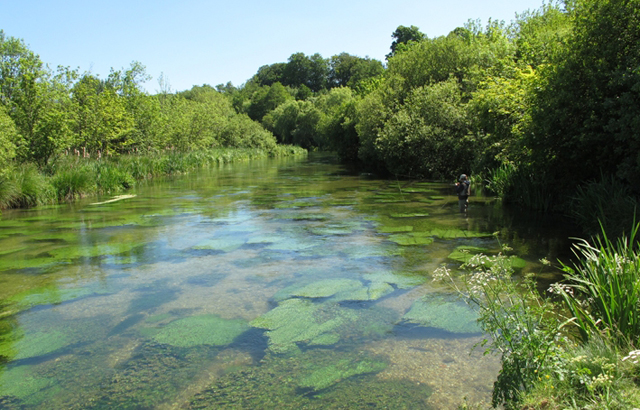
(318,74)
(44,113)
(403,36)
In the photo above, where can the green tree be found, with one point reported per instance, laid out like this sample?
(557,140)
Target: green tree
(265,99)
(101,119)
(403,36)
(35,99)
(428,136)
(347,70)
(8,138)
(586,116)
(311,71)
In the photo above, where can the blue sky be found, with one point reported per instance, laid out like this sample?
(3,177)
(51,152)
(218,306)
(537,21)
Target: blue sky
(195,42)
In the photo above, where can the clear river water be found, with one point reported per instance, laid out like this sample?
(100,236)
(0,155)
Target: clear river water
(282,283)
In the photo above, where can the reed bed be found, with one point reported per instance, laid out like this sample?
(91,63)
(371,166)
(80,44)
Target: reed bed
(68,178)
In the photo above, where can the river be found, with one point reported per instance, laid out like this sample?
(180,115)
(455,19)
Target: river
(283,283)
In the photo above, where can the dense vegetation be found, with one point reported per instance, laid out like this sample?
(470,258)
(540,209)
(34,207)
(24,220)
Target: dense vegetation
(546,110)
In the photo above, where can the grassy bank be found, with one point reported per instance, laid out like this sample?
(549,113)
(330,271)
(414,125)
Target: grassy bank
(573,347)
(69,177)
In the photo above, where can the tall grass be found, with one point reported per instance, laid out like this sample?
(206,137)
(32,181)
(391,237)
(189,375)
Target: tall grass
(24,186)
(607,202)
(602,289)
(70,178)
(522,186)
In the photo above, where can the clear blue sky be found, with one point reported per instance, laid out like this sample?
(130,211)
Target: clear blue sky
(195,42)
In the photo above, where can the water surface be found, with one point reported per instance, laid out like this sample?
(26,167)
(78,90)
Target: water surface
(275,284)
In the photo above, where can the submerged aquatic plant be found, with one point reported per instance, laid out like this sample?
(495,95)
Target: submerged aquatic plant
(302,321)
(201,330)
(314,379)
(435,311)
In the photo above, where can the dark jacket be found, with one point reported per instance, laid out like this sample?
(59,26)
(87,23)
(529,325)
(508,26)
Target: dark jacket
(462,189)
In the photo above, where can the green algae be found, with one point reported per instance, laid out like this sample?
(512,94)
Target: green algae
(154,375)
(435,311)
(327,376)
(463,254)
(327,287)
(374,291)
(395,229)
(201,330)
(51,295)
(26,384)
(296,321)
(325,339)
(297,382)
(408,215)
(412,239)
(34,344)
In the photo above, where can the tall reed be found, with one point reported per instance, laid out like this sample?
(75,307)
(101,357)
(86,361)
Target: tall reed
(522,186)
(69,178)
(602,289)
(607,202)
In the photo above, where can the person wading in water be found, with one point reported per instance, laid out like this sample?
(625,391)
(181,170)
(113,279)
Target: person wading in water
(462,189)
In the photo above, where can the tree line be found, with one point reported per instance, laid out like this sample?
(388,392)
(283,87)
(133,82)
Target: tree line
(545,109)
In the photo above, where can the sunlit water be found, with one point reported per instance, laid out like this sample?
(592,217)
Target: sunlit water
(274,284)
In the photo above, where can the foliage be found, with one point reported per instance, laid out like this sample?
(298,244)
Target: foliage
(402,38)
(427,136)
(590,375)
(602,290)
(522,326)
(8,139)
(523,185)
(585,116)
(25,186)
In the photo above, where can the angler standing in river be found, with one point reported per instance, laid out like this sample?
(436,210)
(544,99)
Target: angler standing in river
(462,189)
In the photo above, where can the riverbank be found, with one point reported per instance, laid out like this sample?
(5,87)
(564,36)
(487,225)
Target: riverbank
(68,178)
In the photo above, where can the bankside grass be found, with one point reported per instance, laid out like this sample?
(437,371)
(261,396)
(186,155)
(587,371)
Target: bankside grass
(592,375)
(69,177)
(607,202)
(521,186)
(602,290)
(24,186)
(549,360)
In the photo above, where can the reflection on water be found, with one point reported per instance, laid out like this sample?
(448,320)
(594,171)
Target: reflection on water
(280,283)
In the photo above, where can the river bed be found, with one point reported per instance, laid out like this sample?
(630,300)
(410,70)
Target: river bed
(283,283)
